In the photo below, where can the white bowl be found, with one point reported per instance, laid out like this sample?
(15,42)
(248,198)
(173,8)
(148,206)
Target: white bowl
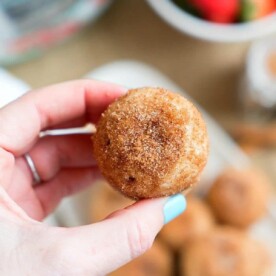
(206,30)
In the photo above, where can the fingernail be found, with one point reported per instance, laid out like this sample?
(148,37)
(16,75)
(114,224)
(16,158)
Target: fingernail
(174,206)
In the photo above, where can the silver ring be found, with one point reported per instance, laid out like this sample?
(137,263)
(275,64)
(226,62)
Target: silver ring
(33,169)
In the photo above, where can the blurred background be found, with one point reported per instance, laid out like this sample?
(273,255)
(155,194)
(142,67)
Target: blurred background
(131,30)
(210,72)
(228,68)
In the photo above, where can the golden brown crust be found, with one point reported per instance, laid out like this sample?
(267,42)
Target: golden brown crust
(226,252)
(195,222)
(151,143)
(157,261)
(239,197)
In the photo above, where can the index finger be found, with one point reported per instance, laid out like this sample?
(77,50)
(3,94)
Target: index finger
(22,120)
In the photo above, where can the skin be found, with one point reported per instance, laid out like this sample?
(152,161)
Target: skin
(65,165)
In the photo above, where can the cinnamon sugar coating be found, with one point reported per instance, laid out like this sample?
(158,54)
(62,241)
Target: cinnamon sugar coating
(226,252)
(195,222)
(157,261)
(239,197)
(151,143)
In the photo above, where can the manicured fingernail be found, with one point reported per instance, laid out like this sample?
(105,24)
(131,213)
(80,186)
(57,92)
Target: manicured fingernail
(174,206)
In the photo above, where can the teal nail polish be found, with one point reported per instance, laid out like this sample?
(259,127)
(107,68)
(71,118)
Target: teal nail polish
(174,206)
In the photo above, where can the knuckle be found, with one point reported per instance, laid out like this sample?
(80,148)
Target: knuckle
(139,235)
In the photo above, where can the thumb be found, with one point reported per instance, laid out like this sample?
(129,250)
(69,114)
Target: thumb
(102,247)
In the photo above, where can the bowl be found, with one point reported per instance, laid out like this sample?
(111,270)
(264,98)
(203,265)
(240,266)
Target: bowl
(206,30)
(28,28)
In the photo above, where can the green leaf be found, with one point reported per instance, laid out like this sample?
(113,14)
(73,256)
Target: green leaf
(248,10)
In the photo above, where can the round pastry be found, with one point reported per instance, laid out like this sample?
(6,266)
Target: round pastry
(226,252)
(105,201)
(196,221)
(151,143)
(157,261)
(239,197)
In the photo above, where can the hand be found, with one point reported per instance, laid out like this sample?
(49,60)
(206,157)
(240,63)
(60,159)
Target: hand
(65,165)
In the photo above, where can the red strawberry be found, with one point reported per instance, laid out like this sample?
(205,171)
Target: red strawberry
(220,11)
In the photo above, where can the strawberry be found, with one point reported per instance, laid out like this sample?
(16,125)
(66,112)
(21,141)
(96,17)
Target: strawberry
(255,9)
(219,11)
